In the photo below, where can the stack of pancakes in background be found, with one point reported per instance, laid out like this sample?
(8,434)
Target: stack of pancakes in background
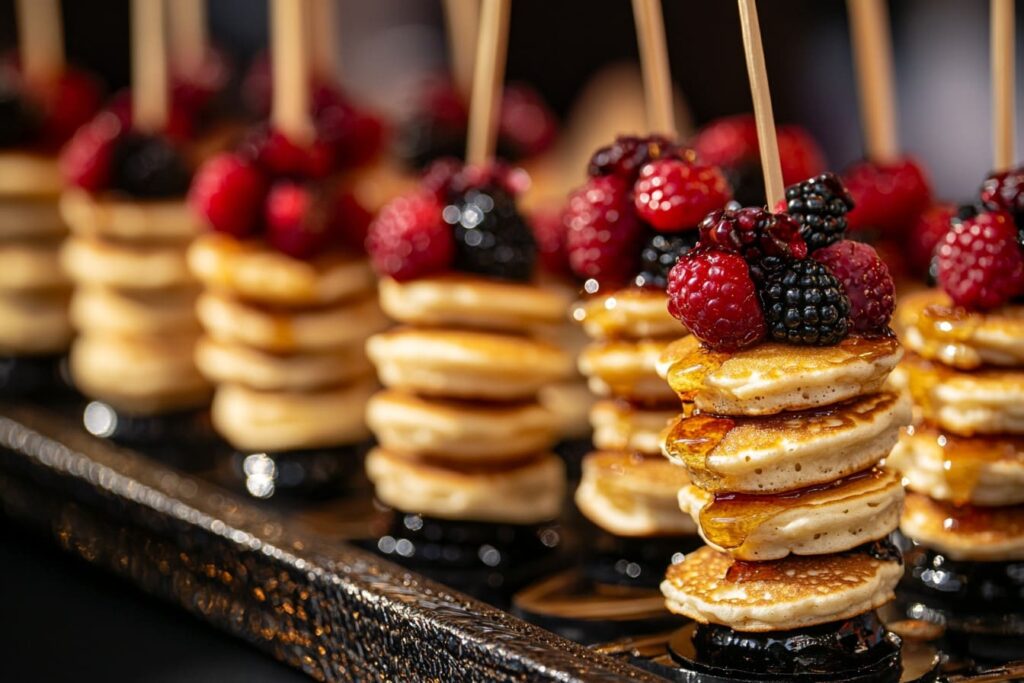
(964,457)
(462,433)
(627,488)
(284,343)
(783,452)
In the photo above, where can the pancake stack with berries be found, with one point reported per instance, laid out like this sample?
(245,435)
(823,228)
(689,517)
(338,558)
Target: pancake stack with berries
(785,421)
(963,459)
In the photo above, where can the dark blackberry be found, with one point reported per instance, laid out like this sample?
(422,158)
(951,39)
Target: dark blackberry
(804,303)
(148,167)
(766,241)
(819,205)
(660,253)
(19,121)
(627,154)
(491,237)
(423,139)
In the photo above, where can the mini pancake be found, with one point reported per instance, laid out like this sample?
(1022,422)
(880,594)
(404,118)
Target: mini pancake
(118,311)
(460,431)
(771,378)
(628,314)
(132,220)
(985,401)
(476,302)
(982,534)
(290,420)
(26,174)
(128,266)
(30,264)
(466,364)
(230,363)
(626,369)
(570,402)
(527,492)
(30,218)
(825,519)
(799,591)
(288,331)
(931,326)
(631,495)
(251,270)
(620,426)
(977,470)
(34,322)
(143,375)
(789,451)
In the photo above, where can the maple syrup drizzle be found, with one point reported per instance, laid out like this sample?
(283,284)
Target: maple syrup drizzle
(964,458)
(975,519)
(944,330)
(689,372)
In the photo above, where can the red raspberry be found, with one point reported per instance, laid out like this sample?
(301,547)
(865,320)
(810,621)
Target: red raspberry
(732,142)
(712,293)
(1004,191)
(448,177)
(525,121)
(409,238)
(229,191)
(604,236)
(980,265)
(799,153)
(196,90)
(279,156)
(350,221)
(628,154)
(354,135)
(297,219)
(549,230)
(67,104)
(87,159)
(925,234)
(886,197)
(866,282)
(763,239)
(672,195)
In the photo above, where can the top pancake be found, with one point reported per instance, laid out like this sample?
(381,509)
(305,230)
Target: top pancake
(627,314)
(771,378)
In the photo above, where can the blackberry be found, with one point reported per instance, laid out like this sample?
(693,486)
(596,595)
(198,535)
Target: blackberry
(627,154)
(804,303)
(491,237)
(148,167)
(660,253)
(819,205)
(766,241)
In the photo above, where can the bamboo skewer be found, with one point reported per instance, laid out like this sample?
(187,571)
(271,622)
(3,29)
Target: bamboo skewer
(462,21)
(289,111)
(488,75)
(323,25)
(1002,65)
(40,39)
(650,32)
(872,56)
(150,97)
(189,35)
(758,75)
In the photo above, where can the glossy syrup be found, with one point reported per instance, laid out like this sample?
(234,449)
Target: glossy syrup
(964,458)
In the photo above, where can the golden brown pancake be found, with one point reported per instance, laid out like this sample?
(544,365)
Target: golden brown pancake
(628,314)
(127,312)
(570,402)
(30,218)
(99,262)
(30,264)
(626,369)
(94,217)
(34,322)
(983,534)
(621,426)
(28,174)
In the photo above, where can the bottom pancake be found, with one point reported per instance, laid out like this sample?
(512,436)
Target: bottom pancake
(984,534)
(711,587)
(525,493)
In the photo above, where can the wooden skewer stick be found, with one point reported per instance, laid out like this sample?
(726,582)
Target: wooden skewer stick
(289,110)
(149,66)
(758,75)
(488,75)
(872,56)
(40,39)
(323,23)
(189,35)
(1002,64)
(462,21)
(650,33)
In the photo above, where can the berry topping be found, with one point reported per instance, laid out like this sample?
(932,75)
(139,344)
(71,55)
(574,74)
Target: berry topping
(886,196)
(549,232)
(68,103)
(448,178)
(409,239)
(625,157)
(526,126)
(819,205)
(350,221)
(279,156)
(228,191)
(865,281)
(980,265)
(671,194)
(766,241)
(659,255)
(148,167)
(86,160)
(297,219)
(491,237)
(804,303)
(1004,191)
(604,235)
(926,233)
(711,292)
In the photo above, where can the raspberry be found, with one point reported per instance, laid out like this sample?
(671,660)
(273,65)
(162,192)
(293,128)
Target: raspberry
(349,221)
(409,238)
(279,156)
(866,282)
(804,304)
(799,153)
(926,233)
(71,101)
(297,219)
(86,160)
(228,191)
(197,89)
(660,254)
(526,124)
(354,136)
(448,178)
(491,237)
(625,156)
(711,292)
(888,197)
(148,167)
(819,205)
(980,265)
(548,227)
(765,241)
(604,235)
(1004,191)
(671,194)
